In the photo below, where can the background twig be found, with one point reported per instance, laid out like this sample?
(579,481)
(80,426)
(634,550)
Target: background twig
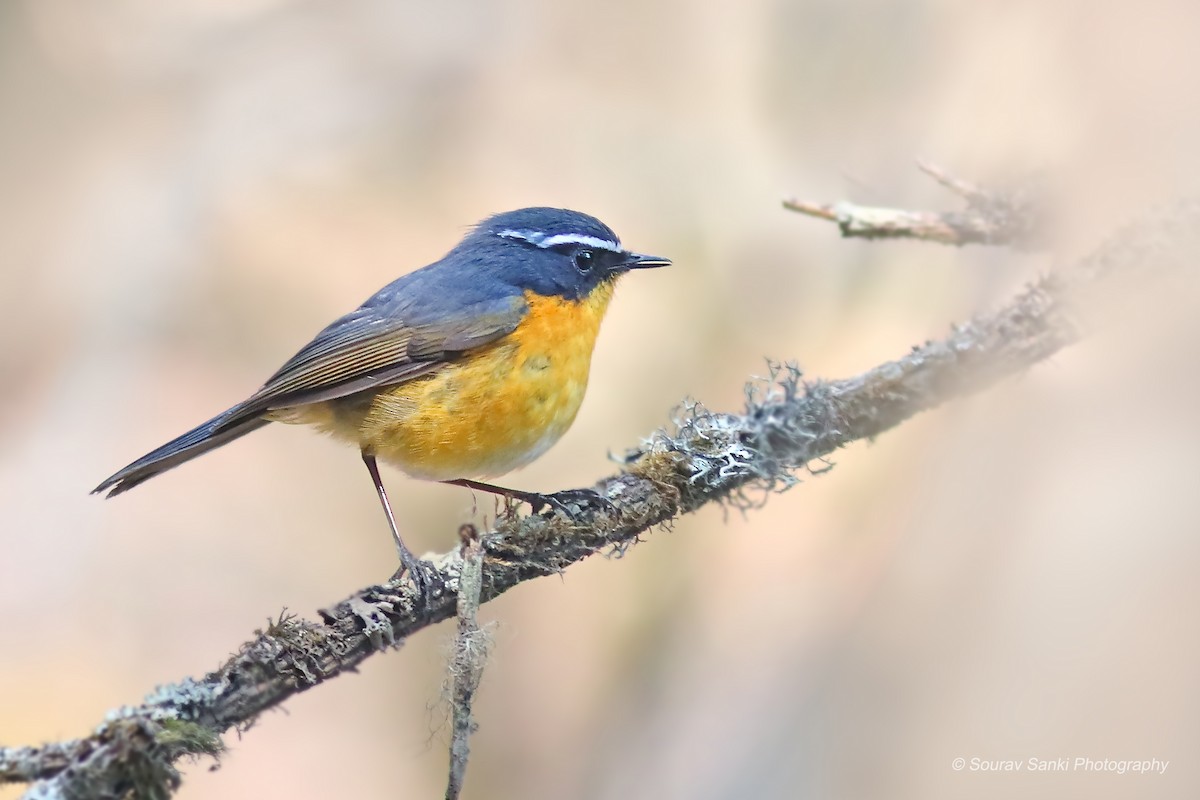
(1016,217)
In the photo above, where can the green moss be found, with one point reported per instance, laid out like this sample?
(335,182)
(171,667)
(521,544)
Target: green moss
(188,737)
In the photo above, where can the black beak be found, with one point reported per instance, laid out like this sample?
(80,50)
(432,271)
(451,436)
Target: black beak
(640,261)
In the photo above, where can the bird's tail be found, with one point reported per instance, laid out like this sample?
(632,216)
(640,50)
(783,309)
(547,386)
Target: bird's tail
(223,428)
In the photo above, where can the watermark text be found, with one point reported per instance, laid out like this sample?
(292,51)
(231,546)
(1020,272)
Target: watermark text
(1115,766)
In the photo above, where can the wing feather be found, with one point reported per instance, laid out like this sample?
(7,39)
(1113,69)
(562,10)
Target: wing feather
(371,347)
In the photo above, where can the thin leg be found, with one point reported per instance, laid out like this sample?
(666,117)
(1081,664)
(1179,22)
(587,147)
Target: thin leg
(415,567)
(538,501)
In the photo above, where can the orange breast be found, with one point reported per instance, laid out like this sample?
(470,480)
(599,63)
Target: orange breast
(498,408)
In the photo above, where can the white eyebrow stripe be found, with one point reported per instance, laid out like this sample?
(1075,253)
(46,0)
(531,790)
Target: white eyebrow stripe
(533,237)
(543,241)
(577,238)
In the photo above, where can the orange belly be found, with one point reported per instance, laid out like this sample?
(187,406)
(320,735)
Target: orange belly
(486,413)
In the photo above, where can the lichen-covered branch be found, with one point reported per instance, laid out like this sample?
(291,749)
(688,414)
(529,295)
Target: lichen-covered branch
(471,646)
(1013,218)
(706,457)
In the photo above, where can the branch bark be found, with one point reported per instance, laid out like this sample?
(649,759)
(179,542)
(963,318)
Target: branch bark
(705,458)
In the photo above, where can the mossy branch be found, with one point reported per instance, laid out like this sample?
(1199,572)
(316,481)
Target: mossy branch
(706,458)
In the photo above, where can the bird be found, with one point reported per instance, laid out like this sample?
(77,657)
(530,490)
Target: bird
(467,368)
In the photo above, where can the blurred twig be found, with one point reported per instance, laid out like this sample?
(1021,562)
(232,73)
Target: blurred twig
(707,457)
(1016,218)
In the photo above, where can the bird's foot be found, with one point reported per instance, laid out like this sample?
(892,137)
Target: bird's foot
(428,580)
(582,498)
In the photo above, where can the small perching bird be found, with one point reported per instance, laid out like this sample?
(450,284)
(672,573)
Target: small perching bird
(467,368)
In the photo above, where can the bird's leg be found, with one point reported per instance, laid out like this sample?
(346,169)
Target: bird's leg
(539,501)
(423,573)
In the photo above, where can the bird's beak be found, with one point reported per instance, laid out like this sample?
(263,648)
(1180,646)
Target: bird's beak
(640,261)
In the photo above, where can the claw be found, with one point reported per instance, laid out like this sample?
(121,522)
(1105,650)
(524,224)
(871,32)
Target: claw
(583,497)
(426,578)
(537,502)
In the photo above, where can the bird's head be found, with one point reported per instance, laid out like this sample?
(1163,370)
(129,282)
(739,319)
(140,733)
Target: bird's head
(552,251)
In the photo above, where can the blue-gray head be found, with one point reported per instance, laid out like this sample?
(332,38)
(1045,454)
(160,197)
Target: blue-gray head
(551,251)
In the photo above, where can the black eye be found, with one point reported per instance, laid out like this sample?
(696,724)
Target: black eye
(584,261)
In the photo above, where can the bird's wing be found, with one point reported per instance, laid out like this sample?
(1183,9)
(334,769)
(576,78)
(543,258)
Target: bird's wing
(371,347)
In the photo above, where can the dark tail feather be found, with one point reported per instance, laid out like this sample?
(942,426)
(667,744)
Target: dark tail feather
(223,428)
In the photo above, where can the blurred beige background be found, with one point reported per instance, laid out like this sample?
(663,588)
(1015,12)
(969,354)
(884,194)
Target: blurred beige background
(190,190)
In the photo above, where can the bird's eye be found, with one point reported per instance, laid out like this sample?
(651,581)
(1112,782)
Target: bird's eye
(584,261)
